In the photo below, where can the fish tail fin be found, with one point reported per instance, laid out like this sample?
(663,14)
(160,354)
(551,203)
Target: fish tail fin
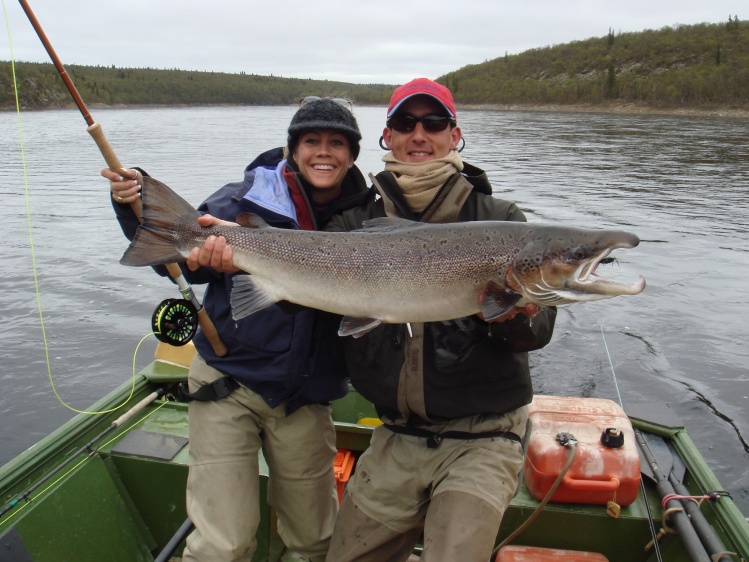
(155,240)
(151,246)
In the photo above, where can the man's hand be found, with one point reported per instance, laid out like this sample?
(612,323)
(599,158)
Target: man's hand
(530,310)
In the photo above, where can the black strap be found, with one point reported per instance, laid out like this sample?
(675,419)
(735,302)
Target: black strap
(434,439)
(218,389)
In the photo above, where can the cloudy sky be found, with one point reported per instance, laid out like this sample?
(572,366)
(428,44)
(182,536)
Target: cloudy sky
(360,41)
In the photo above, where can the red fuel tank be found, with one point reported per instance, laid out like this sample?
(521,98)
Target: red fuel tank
(606,466)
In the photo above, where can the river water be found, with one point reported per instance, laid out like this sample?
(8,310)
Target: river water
(680,183)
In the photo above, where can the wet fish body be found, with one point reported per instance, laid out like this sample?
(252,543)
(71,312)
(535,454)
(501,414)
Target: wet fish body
(392,270)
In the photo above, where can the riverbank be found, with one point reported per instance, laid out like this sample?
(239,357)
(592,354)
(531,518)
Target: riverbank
(617,107)
(608,107)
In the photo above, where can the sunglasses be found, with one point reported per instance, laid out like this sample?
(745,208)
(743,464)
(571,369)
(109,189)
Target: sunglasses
(347,103)
(432,123)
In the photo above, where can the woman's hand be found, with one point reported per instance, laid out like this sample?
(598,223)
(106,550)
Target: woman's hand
(125,186)
(215,252)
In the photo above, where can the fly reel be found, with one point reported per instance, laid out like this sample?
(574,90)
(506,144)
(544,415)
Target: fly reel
(175,321)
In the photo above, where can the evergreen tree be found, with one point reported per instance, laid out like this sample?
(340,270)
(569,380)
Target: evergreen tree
(610,81)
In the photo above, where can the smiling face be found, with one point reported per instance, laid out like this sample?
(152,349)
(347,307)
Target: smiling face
(420,145)
(323,158)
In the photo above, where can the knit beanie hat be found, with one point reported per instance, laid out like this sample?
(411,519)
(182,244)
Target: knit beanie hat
(324,114)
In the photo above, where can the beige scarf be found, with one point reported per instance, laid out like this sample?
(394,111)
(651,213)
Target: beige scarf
(420,181)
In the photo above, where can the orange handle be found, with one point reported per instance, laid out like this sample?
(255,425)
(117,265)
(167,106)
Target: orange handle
(113,163)
(591,485)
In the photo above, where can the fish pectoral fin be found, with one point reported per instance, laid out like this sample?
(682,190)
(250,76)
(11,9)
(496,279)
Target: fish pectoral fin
(496,300)
(357,327)
(251,220)
(247,298)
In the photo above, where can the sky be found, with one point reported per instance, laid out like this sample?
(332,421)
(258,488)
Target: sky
(358,41)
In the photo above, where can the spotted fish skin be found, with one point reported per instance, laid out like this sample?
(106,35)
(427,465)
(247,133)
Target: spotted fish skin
(392,270)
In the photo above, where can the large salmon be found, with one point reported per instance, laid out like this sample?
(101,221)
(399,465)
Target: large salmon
(392,270)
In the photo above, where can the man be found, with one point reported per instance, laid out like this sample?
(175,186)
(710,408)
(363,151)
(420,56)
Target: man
(452,395)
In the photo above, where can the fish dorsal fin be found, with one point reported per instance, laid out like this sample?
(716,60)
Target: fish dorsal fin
(496,300)
(381,224)
(247,298)
(357,327)
(251,220)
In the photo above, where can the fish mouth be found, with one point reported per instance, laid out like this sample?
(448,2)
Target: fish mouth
(586,284)
(583,285)
(587,280)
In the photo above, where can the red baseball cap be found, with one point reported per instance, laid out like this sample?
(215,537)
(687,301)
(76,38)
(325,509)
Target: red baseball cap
(422,86)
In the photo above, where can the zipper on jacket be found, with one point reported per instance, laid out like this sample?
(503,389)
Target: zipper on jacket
(436,196)
(405,213)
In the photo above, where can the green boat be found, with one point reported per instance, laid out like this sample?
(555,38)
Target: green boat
(112,487)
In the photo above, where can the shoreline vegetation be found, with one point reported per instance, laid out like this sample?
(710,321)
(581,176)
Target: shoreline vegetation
(700,69)
(628,108)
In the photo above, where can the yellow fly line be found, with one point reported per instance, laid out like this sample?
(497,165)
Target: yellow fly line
(33,254)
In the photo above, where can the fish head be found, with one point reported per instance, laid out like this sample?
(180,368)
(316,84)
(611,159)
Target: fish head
(559,266)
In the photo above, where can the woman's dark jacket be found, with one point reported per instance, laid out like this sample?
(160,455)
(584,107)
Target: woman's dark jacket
(279,355)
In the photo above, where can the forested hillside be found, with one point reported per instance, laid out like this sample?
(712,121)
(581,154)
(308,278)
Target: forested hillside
(40,86)
(685,66)
(681,66)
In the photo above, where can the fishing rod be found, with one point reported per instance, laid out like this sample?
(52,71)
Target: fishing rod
(700,543)
(679,518)
(706,533)
(114,164)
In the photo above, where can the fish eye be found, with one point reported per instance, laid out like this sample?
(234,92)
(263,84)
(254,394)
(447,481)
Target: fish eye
(578,253)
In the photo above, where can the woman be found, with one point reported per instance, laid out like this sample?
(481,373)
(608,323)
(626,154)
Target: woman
(288,365)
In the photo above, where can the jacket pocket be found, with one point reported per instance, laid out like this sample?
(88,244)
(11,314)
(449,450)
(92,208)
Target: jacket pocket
(268,332)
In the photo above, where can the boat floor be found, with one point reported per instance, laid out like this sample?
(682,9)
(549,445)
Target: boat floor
(139,477)
(158,444)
